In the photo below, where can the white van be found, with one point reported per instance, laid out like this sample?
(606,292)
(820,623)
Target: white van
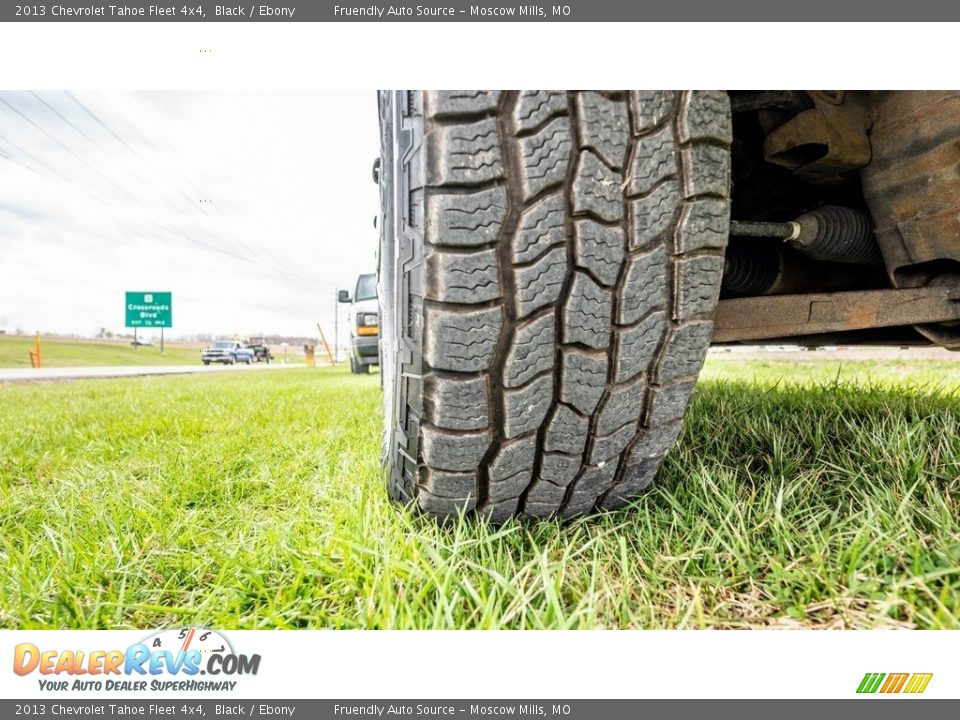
(364,324)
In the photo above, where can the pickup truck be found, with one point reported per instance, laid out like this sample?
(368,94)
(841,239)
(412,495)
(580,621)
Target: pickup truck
(227,352)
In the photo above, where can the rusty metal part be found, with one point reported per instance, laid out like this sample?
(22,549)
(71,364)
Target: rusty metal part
(780,316)
(912,187)
(824,142)
(901,336)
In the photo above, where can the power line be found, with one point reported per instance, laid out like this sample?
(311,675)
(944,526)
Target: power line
(290,274)
(52,174)
(221,249)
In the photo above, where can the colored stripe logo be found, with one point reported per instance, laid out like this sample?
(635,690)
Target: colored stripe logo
(913,683)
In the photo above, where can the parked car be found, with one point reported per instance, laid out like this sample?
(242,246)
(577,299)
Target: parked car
(554,266)
(364,324)
(227,352)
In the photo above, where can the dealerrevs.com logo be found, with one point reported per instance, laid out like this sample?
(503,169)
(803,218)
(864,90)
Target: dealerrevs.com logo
(890,683)
(167,660)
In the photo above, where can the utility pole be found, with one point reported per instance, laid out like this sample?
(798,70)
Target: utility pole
(336,326)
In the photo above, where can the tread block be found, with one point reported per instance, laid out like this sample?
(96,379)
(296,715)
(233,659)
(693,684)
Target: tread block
(696,286)
(707,171)
(704,223)
(578,504)
(456,404)
(457,340)
(442,483)
(544,157)
(654,442)
(636,477)
(541,227)
(654,160)
(609,446)
(567,431)
(454,103)
(458,452)
(545,494)
(512,457)
(499,512)
(621,406)
(526,407)
(539,284)
(644,286)
(540,511)
(599,249)
(511,487)
(635,347)
(604,127)
(531,350)
(586,313)
(535,107)
(596,189)
(462,277)
(583,378)
(463,154)
(683,351)
(559,469)
(667,403)
(652,216)
(444,506)
(466,220)
(595,479)
(649,108)
(705,115)
(593,482)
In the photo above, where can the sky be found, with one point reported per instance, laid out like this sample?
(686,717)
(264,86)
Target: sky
(252,208)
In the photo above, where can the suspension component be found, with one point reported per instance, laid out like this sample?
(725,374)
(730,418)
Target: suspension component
(837,234)
(829,234)
(780,230)
(751,268)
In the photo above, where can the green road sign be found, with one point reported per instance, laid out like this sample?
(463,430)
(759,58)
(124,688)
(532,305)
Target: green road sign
(149,309)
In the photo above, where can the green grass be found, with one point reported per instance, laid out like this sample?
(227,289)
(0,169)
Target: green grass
(255,501)
(91,353)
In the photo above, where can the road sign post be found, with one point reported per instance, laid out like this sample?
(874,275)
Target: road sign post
(150,310)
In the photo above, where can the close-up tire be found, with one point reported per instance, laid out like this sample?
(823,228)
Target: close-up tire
(549,266)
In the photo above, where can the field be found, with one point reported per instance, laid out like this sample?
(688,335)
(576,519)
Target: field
(61,353)
(811,494)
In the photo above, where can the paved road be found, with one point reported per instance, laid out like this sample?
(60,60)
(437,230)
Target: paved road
(80,373)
